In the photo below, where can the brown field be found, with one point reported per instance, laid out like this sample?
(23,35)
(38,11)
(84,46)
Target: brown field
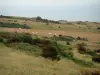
(93,37)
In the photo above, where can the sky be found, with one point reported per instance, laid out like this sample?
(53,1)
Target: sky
(71,10)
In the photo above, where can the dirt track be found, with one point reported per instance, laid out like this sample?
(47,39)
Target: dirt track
(93,37)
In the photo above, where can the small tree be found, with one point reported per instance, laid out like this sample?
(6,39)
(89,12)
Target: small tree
(38,18)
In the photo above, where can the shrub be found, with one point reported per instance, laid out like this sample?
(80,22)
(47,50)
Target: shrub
(68,54)
(98,43)
(98,28)
(1,39)
(36,41)
(93,71)
(78,38)
(63,38)
(59,27)
(14,25)
(67,43)
(81,48)
(70,48)
(92,53)
(17,37)
(38,18)
(33,49)
(84,39)
(97,50)
(96,58)
(5,34)
(49,52)
(83,62)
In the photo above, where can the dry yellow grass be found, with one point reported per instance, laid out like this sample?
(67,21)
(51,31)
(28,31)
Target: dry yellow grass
(89,71)
(18,63)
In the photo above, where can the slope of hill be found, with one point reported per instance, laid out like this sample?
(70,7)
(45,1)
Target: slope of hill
(27,46)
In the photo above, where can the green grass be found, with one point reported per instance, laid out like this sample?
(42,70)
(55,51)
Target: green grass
(13,25)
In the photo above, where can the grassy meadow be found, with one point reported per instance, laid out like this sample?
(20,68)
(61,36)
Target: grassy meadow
(48,49)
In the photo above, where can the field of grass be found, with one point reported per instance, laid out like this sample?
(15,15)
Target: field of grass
(22,57)
(14,62)
(18,63)
(89,27)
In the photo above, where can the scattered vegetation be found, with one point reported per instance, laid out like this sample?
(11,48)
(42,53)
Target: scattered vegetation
(63,38)
(46,48)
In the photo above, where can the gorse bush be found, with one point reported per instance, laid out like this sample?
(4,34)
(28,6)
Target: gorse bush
(49,52)
(81,48)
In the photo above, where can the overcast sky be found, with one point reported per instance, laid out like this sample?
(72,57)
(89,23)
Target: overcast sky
(72,10)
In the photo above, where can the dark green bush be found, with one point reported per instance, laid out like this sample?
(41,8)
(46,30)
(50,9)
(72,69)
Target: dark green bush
(83,62)
(17,37)
(96,58)
(1,39)
(81,48)
(50,49)
(13,25)
(67,43)
(92,53)
(32,49)
(36,41)
(49,52)
(63,38)
(68,54)
(97,50)
(70,48)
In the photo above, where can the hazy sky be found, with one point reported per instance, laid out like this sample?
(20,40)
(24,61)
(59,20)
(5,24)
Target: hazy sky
(85,10)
